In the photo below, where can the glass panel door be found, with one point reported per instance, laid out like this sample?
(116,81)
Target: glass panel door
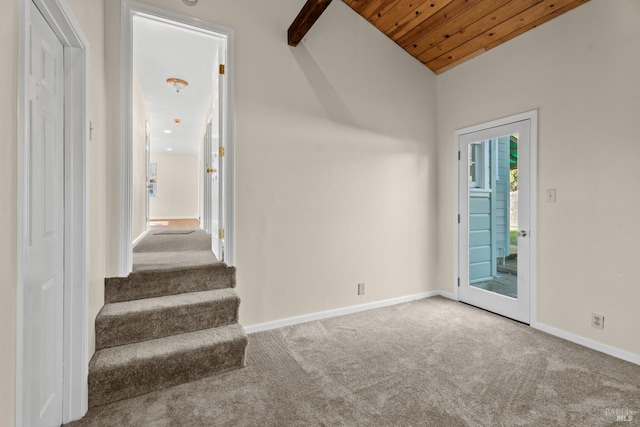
(494,219)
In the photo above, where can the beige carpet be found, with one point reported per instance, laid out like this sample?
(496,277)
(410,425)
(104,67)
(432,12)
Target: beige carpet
(167,251)
(432,362)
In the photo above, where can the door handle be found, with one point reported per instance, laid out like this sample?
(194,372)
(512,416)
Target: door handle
(149,187)
(522,233)
(211,170)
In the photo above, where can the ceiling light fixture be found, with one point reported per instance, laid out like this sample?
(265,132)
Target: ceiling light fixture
(190,2)
(169,149)
(167,131)
(177,84)
(177,121)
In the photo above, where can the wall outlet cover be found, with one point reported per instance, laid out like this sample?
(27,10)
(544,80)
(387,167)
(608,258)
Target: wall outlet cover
(597,321)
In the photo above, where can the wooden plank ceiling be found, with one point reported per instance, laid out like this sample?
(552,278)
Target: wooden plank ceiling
(444,33)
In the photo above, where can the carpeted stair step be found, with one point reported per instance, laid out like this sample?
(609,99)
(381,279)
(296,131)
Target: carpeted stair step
(134,369)
(162,282)
(133,321)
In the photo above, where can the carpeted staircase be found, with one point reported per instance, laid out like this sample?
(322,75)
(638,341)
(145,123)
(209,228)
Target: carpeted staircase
(163,327)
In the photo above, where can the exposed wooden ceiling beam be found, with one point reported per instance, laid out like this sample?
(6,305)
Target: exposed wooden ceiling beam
(308,16)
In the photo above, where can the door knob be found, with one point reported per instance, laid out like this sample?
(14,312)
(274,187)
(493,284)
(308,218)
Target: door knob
(210,170)
(522,233)
(149,187)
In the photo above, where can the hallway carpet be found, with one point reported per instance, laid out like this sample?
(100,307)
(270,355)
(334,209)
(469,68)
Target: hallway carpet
(431,362)
(159,251)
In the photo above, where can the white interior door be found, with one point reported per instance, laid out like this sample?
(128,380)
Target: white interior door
(147,142)
(214,178)
(218,193)
(44,292)
(494,234)
(207,168)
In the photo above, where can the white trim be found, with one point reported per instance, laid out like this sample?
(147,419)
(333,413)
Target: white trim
(128,10)
(447,295)
(533,205)
(140,237)
(289,321)
(586,342)
(169,218)
(76,296)
(125,254)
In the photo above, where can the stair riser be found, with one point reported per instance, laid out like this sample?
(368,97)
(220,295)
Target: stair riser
(148,375)
(161,283)
(113,331)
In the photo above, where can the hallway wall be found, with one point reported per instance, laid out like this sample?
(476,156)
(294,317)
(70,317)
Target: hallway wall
(177,186)
(140,120)
(8,210)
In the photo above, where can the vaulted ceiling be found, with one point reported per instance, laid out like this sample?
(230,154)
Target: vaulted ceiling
(444,33)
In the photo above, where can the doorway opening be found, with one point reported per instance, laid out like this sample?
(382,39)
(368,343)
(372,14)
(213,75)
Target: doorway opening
(496,215)
(178,77)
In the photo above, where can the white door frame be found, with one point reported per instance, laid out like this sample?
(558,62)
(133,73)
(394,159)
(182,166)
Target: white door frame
(129,9)
(533,205)
(76,302)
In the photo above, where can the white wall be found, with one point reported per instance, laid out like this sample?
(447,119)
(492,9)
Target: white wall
(140,119)
(177,186)
(581,71)
(335,166)
(89,14)
(8,209)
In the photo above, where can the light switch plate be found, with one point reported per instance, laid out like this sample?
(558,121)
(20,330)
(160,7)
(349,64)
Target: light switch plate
(550,195)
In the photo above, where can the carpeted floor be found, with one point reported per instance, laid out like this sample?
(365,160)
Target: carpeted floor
(159,250)
(432,362)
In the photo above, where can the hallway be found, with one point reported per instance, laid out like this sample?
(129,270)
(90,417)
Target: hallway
(173,248)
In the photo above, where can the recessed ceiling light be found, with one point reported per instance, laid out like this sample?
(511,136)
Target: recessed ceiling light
(169,149)
(177,121)
(167,131)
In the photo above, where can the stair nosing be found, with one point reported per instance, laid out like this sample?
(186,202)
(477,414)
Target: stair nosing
(147,305)
(157,347)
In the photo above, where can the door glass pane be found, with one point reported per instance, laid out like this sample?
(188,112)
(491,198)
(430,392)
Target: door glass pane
(493,213)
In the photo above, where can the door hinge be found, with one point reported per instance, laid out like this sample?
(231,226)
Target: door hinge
(221,233)
(458,218)
(221,68)
(458,155)
(458,282)
(221,151)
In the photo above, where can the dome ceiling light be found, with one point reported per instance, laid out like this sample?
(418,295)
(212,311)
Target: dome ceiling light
(177,84)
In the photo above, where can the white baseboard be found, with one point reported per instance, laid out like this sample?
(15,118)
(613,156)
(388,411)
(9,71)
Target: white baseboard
(336,312)
(447,295)
(174,217)
(139,238)
(586,342)
(290,321)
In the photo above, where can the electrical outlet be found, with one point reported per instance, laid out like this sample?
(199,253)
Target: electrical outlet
(360,288)
(597,321)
